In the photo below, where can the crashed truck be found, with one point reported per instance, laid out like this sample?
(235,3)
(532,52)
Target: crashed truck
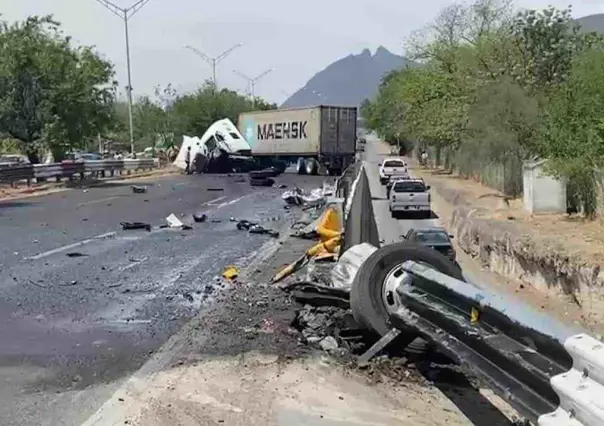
(315,139)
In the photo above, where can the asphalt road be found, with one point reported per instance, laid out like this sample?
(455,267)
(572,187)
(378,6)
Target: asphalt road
(390,230)
(72,329)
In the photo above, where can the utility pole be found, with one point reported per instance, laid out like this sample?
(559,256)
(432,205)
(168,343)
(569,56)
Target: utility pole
(252,82)
(213,61)
(125,14)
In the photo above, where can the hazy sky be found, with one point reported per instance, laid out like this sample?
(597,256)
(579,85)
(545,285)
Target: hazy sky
(296,38)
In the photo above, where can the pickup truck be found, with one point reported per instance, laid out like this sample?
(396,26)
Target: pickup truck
(392,167)
(410,196)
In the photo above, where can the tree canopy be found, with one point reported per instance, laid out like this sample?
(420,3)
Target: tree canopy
(497,86)
(57,96)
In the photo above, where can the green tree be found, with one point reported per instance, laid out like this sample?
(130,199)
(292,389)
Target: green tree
(195,112)
(52,95)
(572,136)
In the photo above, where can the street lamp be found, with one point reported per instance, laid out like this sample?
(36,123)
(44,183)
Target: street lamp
(126,14)
(252,82)
(213,61)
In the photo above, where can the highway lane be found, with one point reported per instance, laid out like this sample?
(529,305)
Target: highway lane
(374,154)
(71,328)
(393,230)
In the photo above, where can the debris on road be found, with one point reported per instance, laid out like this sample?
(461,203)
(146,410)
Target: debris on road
(200,217)
(259,229)
(254,228)
(174,222)
(314,198)
(139,189)
(75,254)
(215,189)
(230,273)
(130,226)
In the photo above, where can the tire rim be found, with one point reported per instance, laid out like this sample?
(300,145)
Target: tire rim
(395,278)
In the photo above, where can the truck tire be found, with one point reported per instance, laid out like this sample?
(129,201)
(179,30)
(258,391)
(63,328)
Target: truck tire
(265,181)
(301,166)
(264,173)
(366,301)
(312,167)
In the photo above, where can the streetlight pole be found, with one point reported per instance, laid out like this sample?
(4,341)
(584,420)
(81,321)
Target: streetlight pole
(252,82)
(125,14)
(213,61)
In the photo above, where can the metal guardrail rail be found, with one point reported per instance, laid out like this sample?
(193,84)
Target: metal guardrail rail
(553,375)
(27,172)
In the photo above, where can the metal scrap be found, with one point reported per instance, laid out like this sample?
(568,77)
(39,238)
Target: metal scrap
(129,226)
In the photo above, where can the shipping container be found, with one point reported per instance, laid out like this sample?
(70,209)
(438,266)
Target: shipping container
(312,137)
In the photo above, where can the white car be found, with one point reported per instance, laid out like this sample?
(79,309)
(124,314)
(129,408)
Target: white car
(392,167)
(409,196)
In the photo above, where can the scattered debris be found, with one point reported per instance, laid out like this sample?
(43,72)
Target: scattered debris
(314,198)
(258,229)
(75,254)
(200,217)
(282,186)
(130,226)
(230,273)
(173,221)
(215,189)
(139,189)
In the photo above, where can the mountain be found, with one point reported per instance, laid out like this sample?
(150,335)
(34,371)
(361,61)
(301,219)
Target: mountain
(347,81)
(592,23)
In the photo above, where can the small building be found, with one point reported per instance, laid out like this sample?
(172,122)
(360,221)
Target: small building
(542,193)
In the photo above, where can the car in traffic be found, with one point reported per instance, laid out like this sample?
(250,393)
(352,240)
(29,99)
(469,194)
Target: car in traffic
(394,179)
(410,196)
(436,238)
(392,167)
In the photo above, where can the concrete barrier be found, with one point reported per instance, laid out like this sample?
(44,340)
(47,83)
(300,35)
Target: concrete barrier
(360,225)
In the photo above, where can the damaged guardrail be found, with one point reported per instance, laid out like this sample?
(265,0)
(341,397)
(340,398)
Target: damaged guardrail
(551,374)
(29,172)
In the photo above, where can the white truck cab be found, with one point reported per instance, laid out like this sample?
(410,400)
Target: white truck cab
(392,167)
(409,196)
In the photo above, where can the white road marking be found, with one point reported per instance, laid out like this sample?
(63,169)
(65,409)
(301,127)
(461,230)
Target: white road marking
(133,264)
(228,203)
(211,202)
(70,246)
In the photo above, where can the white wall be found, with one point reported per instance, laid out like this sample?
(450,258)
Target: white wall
(542,193)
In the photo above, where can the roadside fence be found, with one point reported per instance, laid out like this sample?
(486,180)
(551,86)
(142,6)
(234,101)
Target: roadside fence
(12,174)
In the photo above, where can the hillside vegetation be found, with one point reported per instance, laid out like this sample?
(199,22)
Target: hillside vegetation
(57,96)
(500,86)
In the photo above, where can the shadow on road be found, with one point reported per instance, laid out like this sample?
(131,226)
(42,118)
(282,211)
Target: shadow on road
(466,396)
(14,204)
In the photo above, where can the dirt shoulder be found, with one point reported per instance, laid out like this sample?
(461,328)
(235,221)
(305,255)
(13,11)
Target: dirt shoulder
(553,261)
(9,193)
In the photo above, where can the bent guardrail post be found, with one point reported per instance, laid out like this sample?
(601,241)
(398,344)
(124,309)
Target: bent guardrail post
(531,360)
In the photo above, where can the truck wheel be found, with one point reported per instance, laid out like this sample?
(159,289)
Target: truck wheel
(311,166)
(370,298)
(301,166)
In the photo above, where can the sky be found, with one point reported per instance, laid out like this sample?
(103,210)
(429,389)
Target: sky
(296,39)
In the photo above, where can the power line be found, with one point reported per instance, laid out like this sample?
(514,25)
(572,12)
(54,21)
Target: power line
(125,14)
